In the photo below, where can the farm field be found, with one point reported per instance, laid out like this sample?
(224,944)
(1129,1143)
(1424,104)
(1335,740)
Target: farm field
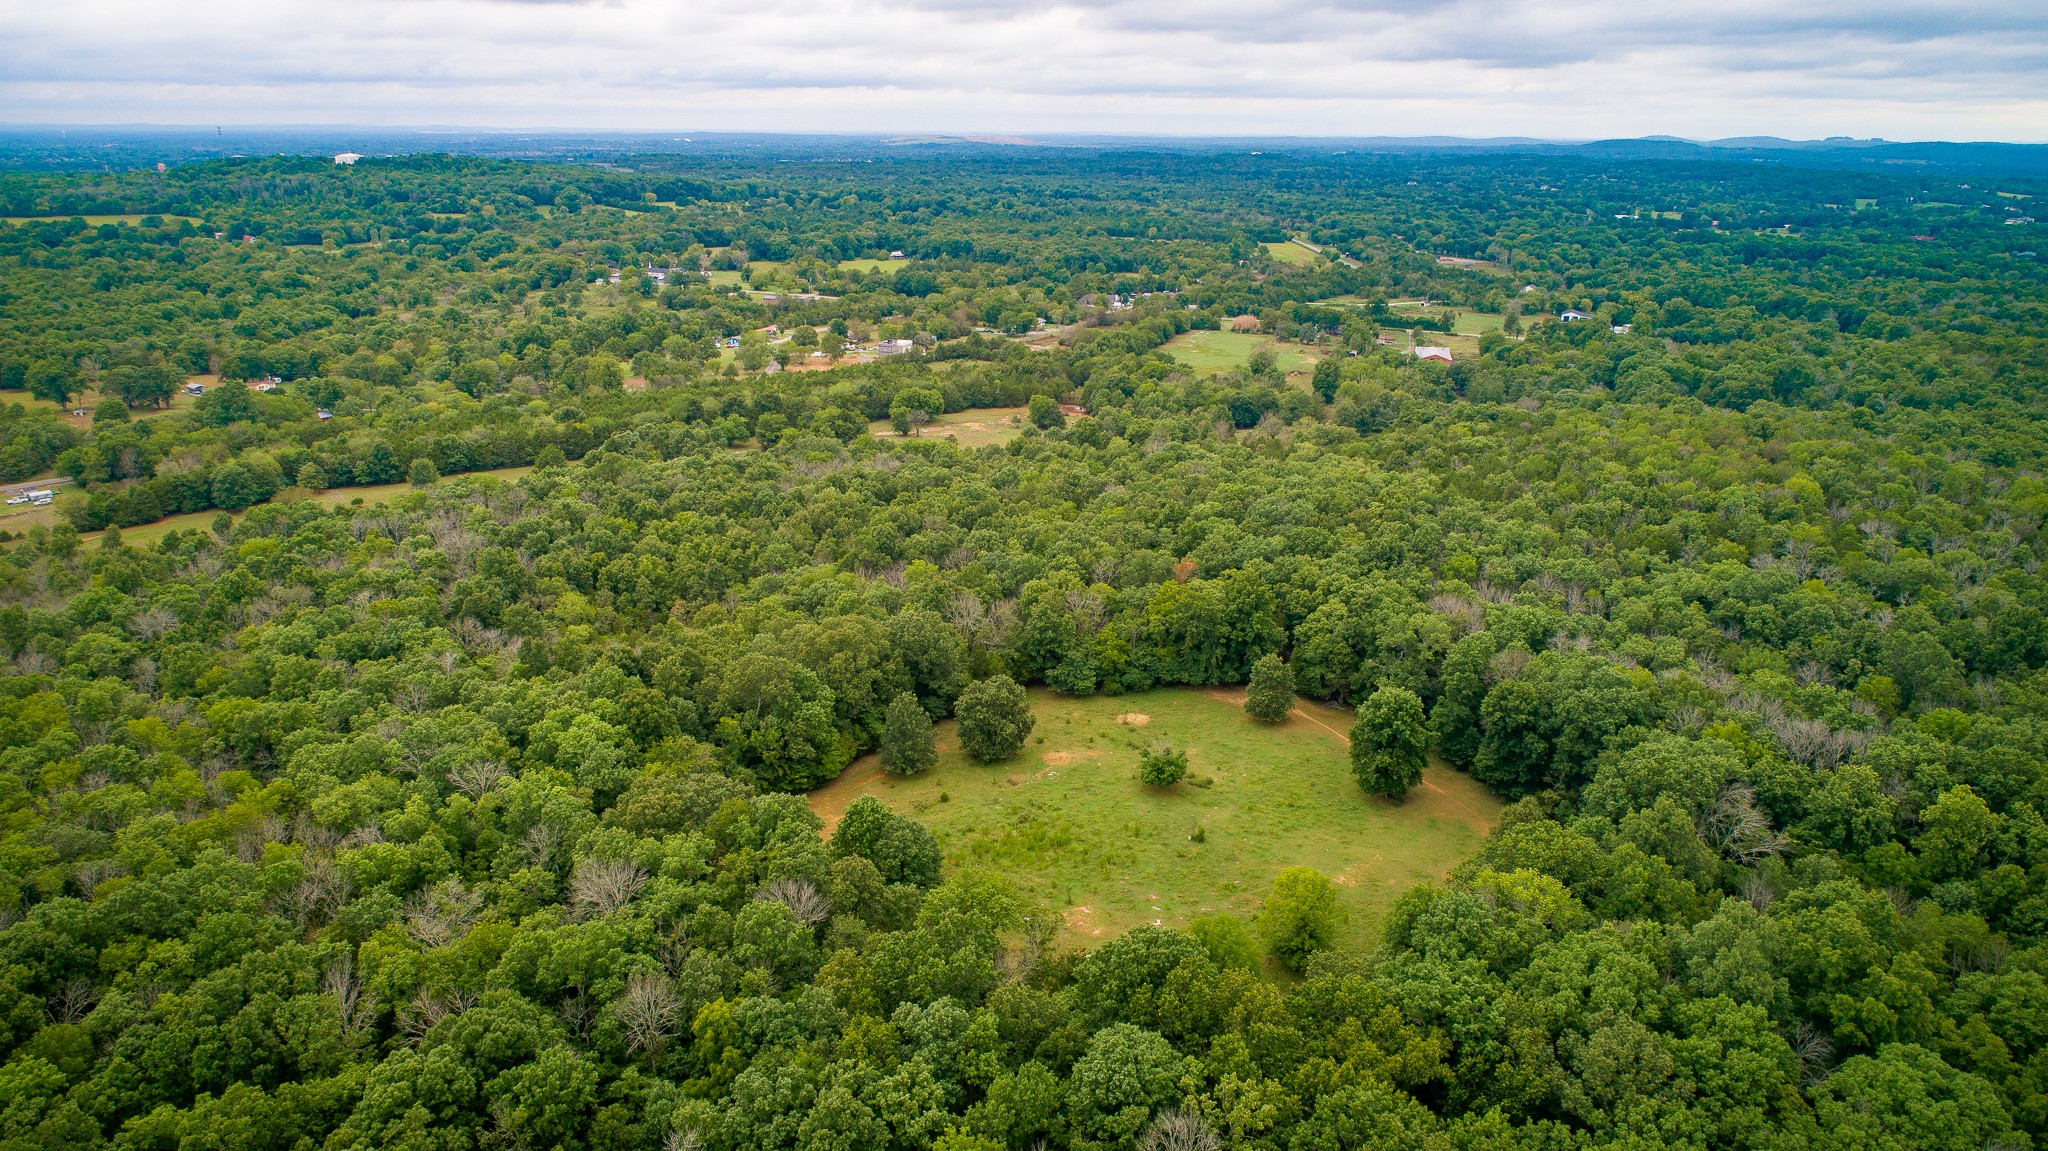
(872,265)
(973,428)
(1210,352)
(1289,252)
(1070,823)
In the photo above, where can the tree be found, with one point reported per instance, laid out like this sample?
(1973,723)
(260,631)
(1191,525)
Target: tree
(225,403)
(908,743)
(775,717)
(1454,720)
(913,408)
(995,718)
(1326,379)
(1270,695)
(1125,1075)
(1045,413)
(422,473)
(901,849)
(236,486)
(140,385)
(53,380)
(109,411)
(311,478)
(1300,916)
(1390,742)
(1162,766)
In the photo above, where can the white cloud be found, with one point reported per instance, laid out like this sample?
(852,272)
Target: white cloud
(1972,70)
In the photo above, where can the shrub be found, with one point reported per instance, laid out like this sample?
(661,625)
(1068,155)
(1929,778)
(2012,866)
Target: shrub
(1162,766)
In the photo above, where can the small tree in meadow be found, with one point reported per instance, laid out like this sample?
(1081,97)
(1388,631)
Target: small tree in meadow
(995,718)
(908,745)
(422,473)
(1270,695)
(1390,742)
(1162,766)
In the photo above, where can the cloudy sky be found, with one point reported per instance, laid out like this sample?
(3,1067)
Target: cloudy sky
(1932,69)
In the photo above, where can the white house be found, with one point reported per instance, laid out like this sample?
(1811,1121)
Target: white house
(1570,314)
(1441,355)
(347,157)
(894,347)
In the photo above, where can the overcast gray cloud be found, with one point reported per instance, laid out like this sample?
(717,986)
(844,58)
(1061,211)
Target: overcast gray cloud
(1968,70)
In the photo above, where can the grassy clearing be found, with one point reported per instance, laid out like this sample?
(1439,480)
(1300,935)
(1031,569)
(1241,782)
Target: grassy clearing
(19,520)
(1464,321)
(872,265)
(1212,352)
(1069,822)
(1290,252)
(973,428)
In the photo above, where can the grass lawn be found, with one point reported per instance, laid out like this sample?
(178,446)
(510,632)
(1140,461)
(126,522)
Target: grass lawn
(973,428)
(1292,253)
(1068,821)
(872,265)
(1211,352)
(1466,323)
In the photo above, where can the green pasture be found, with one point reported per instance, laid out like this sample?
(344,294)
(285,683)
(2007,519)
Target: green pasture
(973,428)
(1211,352)
(1292,253)
(872,265)
(1069,822)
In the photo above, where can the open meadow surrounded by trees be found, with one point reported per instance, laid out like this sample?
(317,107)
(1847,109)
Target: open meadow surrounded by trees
(737,651)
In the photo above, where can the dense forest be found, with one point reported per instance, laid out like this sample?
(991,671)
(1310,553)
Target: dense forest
(471,817)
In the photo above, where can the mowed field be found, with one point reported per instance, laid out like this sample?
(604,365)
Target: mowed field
(1290,252)
(872,264)
(1069,822)
(1464,322)
(973,428)
(1210,352)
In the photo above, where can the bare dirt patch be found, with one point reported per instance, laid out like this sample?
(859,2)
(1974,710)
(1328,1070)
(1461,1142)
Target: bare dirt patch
(1134,719)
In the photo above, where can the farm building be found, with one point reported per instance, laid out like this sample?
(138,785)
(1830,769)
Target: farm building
(1441,355)
(347,157)
(1571,314)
